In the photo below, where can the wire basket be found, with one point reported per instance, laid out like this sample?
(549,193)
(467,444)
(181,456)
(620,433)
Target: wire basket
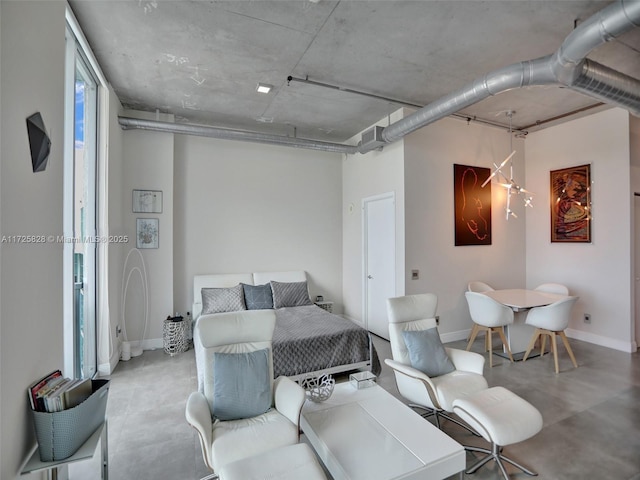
(318,389)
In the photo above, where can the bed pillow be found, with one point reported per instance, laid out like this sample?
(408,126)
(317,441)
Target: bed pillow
(219,300)
(427,353)
(293,294)
(257,297)
(241,385)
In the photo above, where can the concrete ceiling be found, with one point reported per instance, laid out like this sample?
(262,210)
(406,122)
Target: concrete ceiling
(202,60)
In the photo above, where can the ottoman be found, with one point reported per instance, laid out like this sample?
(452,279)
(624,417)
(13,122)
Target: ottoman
(502,418)
(293,462)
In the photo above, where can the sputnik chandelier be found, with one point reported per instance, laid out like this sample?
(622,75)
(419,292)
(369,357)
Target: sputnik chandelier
(508,182)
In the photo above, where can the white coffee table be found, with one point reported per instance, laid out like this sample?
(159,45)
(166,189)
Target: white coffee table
(369,434)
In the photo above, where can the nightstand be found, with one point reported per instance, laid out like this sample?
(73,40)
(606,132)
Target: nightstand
(328,306)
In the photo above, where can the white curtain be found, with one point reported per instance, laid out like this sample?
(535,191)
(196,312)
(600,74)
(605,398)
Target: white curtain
(105,330)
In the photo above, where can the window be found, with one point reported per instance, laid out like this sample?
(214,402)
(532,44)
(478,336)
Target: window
(80,209)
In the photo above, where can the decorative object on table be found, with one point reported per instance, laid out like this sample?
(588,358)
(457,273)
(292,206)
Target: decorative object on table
(147,233)
(147,201)
(319,298)
(361,380)
(60,434)
(571,204)
(508,182)
(175,335)
(472,206)
(318,389)
(39,142)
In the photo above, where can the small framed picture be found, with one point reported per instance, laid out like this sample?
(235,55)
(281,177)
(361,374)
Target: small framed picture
(147,233)
(147,201)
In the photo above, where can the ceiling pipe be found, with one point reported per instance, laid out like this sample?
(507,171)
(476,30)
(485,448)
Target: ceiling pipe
(468,118)
(610,86)
(228,134)
(567,66)
(517,75)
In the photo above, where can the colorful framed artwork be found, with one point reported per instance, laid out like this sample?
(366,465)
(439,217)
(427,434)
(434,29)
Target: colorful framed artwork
(571,204)
(472,205)
(147,233)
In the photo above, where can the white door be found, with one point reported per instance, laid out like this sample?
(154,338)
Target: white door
(636,209)
(379,249)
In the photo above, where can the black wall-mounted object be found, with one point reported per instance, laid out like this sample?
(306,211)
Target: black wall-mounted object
(38,141)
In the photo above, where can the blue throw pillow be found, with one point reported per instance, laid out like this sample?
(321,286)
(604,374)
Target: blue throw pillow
(427,353)
(258,297)
(241,384)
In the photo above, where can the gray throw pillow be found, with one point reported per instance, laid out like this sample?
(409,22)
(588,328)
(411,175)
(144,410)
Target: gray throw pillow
(258,297)
(241,384)
(219,300)
(427,353)
(293,294)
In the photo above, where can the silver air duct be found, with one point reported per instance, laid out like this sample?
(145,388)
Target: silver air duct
(517,75)
(228,134)
(610,86)
(567,66)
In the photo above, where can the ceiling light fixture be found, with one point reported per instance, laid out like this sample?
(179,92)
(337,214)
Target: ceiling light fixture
(263,88)
(509,183)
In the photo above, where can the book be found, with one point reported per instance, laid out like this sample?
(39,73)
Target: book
(44,392)
(54,393)
(35,387)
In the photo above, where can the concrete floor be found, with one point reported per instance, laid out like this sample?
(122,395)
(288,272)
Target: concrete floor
(591,416)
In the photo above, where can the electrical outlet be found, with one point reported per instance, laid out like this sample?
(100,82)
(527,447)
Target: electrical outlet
(415,274)
(437,320)
(587,318)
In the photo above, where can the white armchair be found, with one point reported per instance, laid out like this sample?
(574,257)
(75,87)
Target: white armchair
(225,441)
(435,394)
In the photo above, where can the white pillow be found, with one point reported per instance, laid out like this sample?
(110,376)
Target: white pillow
(219,300)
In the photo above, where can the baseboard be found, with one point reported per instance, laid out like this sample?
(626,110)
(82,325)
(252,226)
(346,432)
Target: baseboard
(152,344)
(628,347)
(455,336)
(107,368)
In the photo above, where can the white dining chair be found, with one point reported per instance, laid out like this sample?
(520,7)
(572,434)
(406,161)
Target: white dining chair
(551,320)
(556,288)
(479,287)
(490,317)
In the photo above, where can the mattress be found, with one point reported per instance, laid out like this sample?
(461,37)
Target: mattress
(308,339)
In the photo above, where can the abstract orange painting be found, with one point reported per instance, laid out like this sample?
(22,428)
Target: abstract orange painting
(472,205)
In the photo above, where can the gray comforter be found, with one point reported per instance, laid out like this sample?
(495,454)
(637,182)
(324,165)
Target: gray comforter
(308,339)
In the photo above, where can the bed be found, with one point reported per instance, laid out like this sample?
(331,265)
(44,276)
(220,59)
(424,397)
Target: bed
(307,339)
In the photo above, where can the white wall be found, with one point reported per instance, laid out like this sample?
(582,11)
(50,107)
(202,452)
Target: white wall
(148,165)
(634,146)
(364,176)
(244,207)
(445,269)
(32,67)
(599,272)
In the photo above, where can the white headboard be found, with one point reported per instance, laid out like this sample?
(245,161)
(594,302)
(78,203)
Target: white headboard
(226,280)
(261,278)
